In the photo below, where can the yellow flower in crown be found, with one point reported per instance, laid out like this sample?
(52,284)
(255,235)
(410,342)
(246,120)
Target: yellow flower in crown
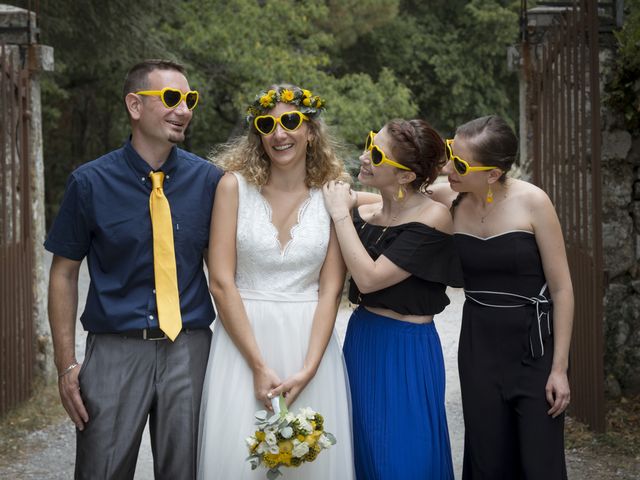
(267,99)
(286,96)
(305,100)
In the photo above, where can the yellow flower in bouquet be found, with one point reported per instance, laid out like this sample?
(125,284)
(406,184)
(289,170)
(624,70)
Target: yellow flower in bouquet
(286,439)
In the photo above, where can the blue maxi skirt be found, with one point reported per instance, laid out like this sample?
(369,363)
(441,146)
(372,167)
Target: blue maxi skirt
(397,378)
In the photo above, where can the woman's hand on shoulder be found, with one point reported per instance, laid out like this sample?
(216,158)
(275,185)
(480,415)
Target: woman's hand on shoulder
(442,193)
(339,199)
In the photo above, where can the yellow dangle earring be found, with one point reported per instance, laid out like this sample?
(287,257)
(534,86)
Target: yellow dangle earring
(489,195)
(401,193)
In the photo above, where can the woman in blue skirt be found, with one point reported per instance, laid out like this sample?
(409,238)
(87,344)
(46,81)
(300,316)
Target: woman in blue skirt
(401,256)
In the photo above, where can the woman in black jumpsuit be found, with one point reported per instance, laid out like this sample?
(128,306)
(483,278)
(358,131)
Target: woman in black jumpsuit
(517,318)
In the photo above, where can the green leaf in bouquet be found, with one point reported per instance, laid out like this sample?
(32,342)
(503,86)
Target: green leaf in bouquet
(274,419)
(254,460)
(330,437)
(273,473)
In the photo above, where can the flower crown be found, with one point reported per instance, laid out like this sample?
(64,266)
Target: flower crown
(307,102)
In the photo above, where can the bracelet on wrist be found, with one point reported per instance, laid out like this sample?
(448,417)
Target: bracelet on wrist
(68,369)
(342,218)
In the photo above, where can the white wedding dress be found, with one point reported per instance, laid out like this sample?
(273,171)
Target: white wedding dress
(279,290)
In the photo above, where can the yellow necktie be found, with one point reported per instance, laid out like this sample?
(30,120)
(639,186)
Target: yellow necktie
(164,260)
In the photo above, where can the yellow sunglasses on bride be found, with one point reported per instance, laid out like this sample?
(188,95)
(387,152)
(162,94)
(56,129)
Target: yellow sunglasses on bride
(290,121)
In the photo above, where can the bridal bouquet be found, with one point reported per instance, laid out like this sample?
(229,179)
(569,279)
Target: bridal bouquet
(286,439)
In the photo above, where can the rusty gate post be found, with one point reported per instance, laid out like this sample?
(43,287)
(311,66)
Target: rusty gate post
(23,59)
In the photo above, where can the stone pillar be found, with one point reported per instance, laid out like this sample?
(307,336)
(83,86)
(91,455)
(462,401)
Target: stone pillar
(621,244)
(18,31)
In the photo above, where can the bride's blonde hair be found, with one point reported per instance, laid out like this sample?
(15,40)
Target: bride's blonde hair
(246,155)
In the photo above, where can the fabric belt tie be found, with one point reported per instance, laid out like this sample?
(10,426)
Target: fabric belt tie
(164,260)
(539,330)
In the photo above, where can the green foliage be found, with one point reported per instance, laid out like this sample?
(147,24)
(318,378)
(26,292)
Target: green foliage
(361,105)
(234,56)
(623,90)
(94,43)
(350,19)
(372,60)
(451,55)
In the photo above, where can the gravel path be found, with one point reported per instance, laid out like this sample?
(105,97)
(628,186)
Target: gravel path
(49,453)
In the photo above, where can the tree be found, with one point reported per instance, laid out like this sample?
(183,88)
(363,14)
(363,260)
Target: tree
(623,88)
(95,43)
(238,48)
(451,55)
(372,60)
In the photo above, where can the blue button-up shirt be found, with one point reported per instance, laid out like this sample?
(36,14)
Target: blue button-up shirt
(105,216)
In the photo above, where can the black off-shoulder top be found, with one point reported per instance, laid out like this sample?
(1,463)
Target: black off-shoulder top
(425,252)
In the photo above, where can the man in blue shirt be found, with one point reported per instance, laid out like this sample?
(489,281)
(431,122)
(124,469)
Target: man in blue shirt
(131,371)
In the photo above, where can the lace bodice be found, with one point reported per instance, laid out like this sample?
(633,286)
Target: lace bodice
(262,263)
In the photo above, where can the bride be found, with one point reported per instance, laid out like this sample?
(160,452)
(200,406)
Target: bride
(276,275)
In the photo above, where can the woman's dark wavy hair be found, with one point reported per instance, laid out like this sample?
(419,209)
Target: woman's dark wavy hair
(415,144)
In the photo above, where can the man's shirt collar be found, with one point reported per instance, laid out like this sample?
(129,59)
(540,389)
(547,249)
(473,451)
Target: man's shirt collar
(142,168)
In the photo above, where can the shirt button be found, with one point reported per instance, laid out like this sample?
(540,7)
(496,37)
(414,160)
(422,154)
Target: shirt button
(154,290)
(168,177)
(150,317)
(142,178)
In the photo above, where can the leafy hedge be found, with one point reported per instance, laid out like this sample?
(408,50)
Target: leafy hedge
(623,90)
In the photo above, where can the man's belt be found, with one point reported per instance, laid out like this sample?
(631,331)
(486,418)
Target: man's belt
(144,334)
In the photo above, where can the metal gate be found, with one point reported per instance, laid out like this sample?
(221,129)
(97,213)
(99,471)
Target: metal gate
(561,70)
(16,250)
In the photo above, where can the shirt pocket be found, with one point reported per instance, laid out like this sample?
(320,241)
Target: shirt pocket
(191,231)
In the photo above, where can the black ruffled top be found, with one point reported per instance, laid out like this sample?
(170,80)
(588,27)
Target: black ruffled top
(428,254)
